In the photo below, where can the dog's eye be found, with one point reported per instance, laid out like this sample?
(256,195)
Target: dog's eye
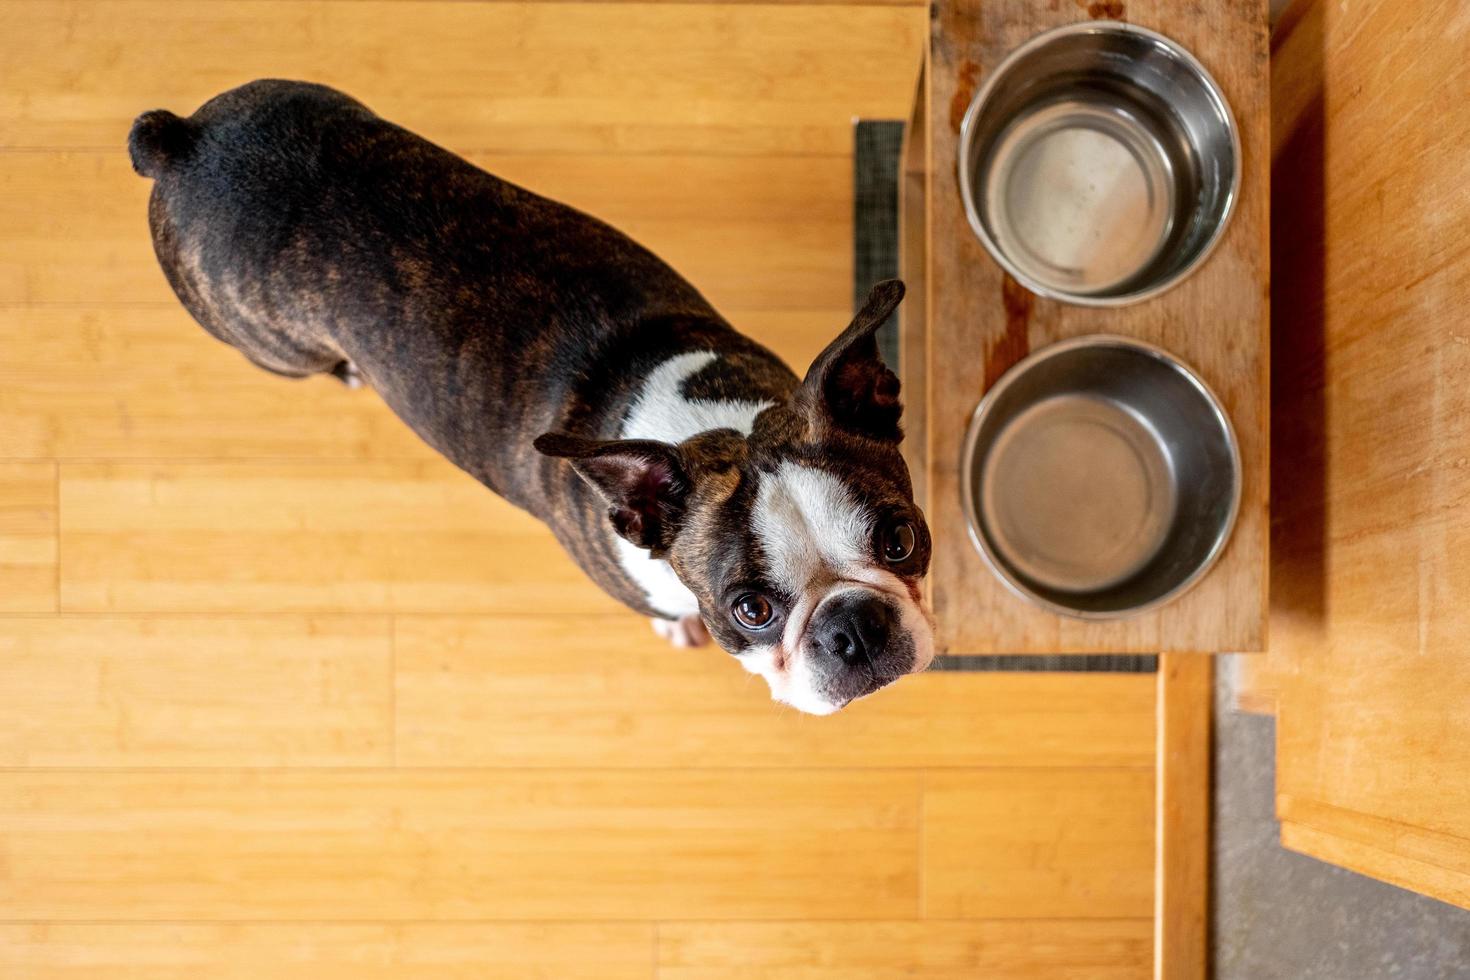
(898,541)
(754,611)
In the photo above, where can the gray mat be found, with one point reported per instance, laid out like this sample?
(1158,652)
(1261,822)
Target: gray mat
(876,147)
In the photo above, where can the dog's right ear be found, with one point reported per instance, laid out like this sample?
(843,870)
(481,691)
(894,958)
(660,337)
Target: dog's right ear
(848,386)
(644,482)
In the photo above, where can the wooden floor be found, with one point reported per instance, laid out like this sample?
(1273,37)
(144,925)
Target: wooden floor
(284,695)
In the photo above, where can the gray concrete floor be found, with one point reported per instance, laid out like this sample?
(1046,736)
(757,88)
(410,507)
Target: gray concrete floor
(1277,914)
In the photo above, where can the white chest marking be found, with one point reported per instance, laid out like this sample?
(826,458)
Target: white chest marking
(663,413)
(657,581)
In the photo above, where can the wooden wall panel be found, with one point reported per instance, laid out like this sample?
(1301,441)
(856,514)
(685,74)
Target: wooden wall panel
(1370,576)
(1025,844)
(1019,949)
(326,951)
(446,844)
(195,691)
(484,691)
(28,533)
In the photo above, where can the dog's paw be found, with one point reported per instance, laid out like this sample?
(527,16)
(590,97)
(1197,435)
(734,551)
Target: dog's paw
(689,631)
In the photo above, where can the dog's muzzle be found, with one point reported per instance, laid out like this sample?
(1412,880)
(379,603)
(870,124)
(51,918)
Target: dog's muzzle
(858,644)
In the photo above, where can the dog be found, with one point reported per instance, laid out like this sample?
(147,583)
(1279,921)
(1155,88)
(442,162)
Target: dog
(684,467)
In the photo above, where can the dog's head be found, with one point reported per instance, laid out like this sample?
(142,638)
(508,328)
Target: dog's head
(801,540)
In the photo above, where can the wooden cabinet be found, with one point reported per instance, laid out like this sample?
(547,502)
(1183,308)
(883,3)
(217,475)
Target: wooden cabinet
(1370,594)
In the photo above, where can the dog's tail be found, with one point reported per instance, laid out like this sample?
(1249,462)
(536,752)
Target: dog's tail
(158,140)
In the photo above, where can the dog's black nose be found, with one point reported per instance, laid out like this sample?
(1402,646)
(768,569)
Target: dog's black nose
(855,628)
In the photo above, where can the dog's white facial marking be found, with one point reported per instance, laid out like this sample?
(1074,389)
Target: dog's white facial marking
(817,541)
(790,680)
(807,520)
(662,412)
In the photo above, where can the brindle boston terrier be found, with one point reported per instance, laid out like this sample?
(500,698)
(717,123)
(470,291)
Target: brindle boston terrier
(684,466)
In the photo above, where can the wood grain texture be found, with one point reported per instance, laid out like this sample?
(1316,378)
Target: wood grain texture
(1020,949)
(1017,844)
(1182,817)
(28,536)
(1371,583)
(148,383)
(259,536)
(1216,321)
(450,845)
(484,691)
(193,691)
(327,951)
(558,78)
(755,233)
(197,776)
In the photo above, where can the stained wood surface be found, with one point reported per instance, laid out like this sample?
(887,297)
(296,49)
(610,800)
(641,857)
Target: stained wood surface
(1182,817)
(282,694)
(981,323)
(1370,575)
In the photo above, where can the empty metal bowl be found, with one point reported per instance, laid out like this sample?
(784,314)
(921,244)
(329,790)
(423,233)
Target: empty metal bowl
(1100,477)
(1099,163)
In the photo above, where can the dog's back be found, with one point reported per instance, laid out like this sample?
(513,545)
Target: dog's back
(307,232)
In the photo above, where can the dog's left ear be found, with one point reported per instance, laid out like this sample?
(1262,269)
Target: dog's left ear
(848,386)
(644,482)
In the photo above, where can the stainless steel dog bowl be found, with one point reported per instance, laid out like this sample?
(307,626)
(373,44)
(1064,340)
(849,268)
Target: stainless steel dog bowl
(1100,477)
(1099,164)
